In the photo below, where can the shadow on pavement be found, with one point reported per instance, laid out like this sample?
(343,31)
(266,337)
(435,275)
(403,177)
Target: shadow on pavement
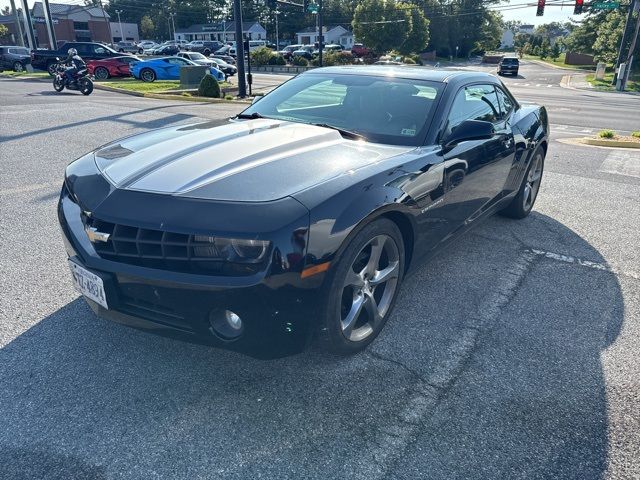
(77,392)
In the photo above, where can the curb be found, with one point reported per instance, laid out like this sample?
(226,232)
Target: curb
(609,143)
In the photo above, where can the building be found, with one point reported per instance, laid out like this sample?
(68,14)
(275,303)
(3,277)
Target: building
(222,31)
(332,35)
(507,38)
(129,34)
(71,23)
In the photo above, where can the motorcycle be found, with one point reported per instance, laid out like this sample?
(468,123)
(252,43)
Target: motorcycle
(81,81)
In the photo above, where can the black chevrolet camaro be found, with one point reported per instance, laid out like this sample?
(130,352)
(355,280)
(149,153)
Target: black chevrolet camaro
(299,218)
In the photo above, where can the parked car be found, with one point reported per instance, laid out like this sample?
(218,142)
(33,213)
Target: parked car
(45,59)
(203,46)
(225,58)
(228,69)
(14,58)
(327,49)
(294,220)
(167,68)
(146,44)
(509,65)
(112,67)
(228,50)
(305,51)
(359,50)
(150,48)
(166,49)
(198,58)
(127,47)
(287,52)
(388,62)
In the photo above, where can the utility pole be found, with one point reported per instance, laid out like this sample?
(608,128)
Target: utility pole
(623,40)
(31,37)
(118,12)
(277,36)
(632,48)
(18,23)
(321,34)
(173,24)
(51,33)
(104,15)
(237,15)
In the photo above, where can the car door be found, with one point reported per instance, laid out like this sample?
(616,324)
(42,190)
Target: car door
(476,171)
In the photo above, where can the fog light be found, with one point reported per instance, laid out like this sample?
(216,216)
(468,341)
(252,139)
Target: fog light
(233,319)
(226,324)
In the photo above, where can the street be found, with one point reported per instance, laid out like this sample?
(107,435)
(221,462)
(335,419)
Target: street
(513,354)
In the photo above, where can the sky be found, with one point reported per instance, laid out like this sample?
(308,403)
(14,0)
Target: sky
(526,15)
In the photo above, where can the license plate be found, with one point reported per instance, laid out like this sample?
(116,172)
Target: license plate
(88,284)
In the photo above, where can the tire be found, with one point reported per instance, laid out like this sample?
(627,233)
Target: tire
(206,52)
(147,75)
(58,84)
(348,323)
(51,68)
(18,67)
(140,51)
(523,202)
(121,50)
(101,73)
(86,86)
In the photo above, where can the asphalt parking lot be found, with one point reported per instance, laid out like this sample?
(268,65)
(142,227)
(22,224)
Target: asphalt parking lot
(514,354)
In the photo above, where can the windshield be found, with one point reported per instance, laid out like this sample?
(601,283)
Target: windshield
(382,109)
(197,56)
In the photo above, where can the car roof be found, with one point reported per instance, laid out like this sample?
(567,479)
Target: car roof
(408,72)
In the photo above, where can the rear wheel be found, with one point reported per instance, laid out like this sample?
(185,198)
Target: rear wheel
(18,67)
(206,52)
(523,202)
(121,50)
(363,288)
(101,73)
(140,51)
(147,75)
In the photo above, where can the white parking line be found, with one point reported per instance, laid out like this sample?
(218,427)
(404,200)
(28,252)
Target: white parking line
(585,263)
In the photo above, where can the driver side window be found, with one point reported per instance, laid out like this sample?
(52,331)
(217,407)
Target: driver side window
(476,102)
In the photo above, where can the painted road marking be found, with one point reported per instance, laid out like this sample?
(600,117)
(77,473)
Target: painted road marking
(585,263)
(621,163)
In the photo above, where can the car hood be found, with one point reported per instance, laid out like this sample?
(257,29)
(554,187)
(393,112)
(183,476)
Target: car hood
(253,161)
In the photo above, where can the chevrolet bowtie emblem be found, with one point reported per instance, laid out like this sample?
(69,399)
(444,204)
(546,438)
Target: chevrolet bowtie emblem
(96,236)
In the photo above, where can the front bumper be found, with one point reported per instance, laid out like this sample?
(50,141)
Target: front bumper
(275,311)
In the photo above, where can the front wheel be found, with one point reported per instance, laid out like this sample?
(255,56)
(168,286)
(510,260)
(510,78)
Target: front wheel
(52,67)
(18,67)
(147,75)
(86,86)
(363,288)
(140,51)
(58,83)
(522,203)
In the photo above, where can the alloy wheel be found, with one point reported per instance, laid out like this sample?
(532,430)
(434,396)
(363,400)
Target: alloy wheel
(532,184)
(369,287)
(101,73)
(147,75)
(18,67)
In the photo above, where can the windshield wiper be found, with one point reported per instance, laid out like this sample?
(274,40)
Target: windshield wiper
(250,116)
(343,132)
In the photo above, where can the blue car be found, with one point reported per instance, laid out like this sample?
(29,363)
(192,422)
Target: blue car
(167,68)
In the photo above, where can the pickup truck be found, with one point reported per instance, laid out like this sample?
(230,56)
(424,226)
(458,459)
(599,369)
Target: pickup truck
(47,59)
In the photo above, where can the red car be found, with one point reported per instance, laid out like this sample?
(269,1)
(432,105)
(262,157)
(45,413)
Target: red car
(111,67)
(359,50)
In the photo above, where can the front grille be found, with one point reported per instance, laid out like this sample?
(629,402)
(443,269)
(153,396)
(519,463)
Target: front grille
(154,312)
(163,250)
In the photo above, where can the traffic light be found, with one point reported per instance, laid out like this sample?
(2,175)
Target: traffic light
(540,11)
(578,8)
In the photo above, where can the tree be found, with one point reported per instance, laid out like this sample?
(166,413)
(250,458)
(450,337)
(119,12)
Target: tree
(608,36)
(147,28)
(381,24)
(550,30)
(6,10)
(418,36)
(4,31)
(545,49)
(513,25)
(555,51)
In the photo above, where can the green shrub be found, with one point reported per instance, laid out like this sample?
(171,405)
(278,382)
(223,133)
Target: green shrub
(315,62)
(228,96)
(262,56)
(209,87)
(277,60)
(409,61)
(636,134)
(300,62)
(606,134)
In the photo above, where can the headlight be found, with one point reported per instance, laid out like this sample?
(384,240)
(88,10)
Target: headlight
(230,249)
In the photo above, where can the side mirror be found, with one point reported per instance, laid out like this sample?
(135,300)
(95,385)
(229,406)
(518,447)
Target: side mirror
(470,130)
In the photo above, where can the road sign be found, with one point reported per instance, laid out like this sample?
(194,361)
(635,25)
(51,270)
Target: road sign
(605,5)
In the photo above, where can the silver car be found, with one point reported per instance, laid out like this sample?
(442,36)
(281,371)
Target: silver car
(127,47)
